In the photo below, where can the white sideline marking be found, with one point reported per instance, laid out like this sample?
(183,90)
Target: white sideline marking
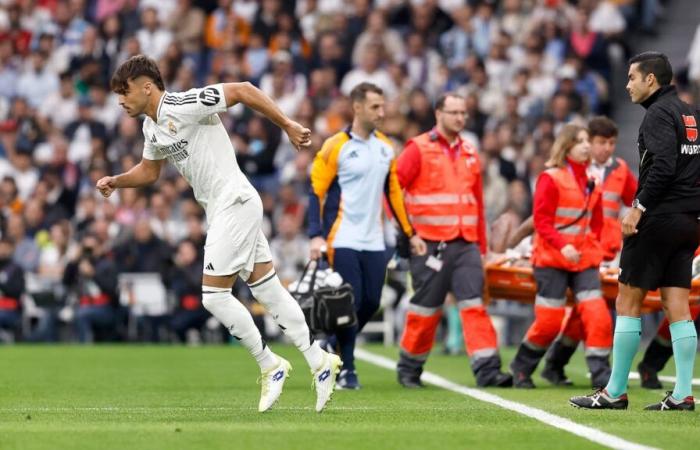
(592,434)
(668,378)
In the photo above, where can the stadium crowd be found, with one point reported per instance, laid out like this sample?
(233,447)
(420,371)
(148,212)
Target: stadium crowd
(526,67)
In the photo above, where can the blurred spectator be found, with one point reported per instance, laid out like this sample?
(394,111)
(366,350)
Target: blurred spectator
(370,71)
(22,171)
(11,202)
(224,29)
(290,248)
(105,106)
(82,131)
(90,63)
(145,253)
(59,108)
(284,86)
(15,33)
(329,54)
(92,277)
(456,43)
(187,26)
(38,81)
(377,33)
(265,22)
(8,71)
(11,288)
(187,288)
(256,158)
(423,66)
(54,255)
(153,39)
(162,223)
(589,45)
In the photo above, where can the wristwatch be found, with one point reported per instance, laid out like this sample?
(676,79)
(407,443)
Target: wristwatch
(639,206)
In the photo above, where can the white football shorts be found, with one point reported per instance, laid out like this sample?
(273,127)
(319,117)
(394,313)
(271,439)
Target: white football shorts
(235,241)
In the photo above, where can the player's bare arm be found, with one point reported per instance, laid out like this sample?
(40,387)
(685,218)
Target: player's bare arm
(254,98)
(142,174)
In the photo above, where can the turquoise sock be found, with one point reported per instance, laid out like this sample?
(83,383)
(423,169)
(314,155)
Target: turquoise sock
(628,332)
(455,341)
(685,343)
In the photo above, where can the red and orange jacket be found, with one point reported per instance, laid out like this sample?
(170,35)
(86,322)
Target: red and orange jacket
(443,189)
(560,197)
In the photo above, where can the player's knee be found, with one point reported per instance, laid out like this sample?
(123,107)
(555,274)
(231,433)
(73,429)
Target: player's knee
(213,298)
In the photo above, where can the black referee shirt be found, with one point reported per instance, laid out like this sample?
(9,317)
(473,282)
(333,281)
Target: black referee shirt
(669,153)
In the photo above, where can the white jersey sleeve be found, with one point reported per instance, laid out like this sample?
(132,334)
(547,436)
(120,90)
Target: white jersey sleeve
(196,104)
(150,151)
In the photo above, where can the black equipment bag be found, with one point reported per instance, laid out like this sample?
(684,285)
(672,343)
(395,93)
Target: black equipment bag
(326,309)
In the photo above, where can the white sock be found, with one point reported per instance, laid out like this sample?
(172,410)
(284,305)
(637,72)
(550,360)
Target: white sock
(286,311)
(236,318)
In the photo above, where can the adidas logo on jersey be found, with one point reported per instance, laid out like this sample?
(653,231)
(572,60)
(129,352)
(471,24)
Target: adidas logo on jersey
(210,266)
(153,139)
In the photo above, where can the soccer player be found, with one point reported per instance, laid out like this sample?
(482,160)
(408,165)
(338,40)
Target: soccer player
(184,129)
(661,234)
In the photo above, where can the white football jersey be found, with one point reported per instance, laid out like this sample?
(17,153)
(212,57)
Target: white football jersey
(190,135)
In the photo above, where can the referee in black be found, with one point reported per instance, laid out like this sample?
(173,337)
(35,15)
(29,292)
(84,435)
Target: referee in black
(661,233)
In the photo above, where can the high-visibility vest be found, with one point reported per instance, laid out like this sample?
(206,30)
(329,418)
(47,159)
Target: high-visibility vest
(572,202)
(614,184)
(440,202)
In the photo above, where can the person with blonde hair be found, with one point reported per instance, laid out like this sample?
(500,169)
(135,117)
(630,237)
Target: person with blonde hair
(568,219)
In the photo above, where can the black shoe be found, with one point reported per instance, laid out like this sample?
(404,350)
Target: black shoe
(499,379)
(522,381)
(410,381)
(671,404)
(556,377)
(599,400)
(648,377)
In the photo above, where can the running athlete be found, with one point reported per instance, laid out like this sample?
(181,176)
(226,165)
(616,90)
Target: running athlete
(184,129)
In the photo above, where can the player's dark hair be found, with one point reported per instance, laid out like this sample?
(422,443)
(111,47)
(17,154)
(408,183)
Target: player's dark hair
(602,126)
(359,92)
(132,68)
(656,63)
(440,103)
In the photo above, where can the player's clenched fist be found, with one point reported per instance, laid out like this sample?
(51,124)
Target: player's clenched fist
(106,185)
(299,136)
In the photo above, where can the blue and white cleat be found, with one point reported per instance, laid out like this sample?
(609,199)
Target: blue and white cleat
(271,384)
(324,379)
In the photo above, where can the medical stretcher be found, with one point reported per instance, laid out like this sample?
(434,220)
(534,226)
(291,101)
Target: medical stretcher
(508,281)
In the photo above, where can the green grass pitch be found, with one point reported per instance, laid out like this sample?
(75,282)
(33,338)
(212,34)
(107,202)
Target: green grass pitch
(167,397)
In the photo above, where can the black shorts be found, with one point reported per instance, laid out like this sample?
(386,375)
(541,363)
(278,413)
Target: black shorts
(661,253)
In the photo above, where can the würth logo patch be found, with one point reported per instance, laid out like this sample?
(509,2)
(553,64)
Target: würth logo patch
(691,130)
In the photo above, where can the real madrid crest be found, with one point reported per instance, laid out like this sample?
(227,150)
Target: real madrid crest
(171,128)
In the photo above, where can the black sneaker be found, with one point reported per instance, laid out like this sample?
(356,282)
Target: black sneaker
(599,400)
(648,377)
(499,379)
(671,404)
(522,381)
(410,381)
(347,380)
(556,377)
